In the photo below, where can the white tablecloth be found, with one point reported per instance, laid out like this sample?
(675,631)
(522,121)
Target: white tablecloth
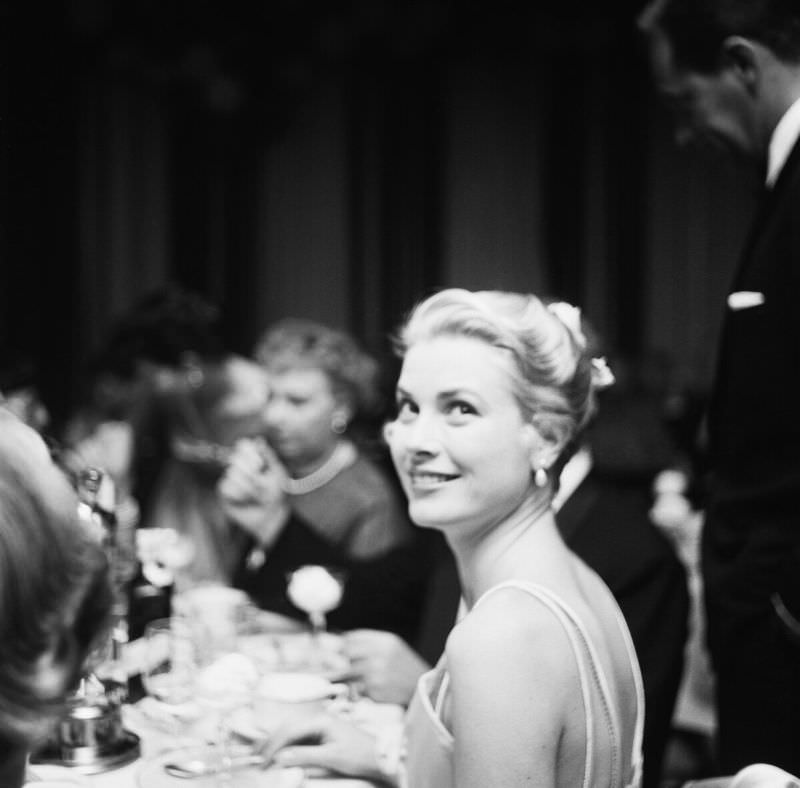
(155,740)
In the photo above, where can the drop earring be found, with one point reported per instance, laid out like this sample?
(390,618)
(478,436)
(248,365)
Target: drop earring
(338,423)
(540,477)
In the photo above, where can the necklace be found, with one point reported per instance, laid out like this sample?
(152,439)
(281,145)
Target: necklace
(343,456)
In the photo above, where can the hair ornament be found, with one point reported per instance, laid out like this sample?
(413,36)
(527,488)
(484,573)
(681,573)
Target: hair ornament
(602,376)
(570,316)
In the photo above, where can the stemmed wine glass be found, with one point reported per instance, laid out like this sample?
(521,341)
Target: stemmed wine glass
(316,590)
(225,681)
(187,663)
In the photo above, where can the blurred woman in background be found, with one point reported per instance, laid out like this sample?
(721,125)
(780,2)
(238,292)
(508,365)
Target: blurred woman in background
(54,596)
(310,495)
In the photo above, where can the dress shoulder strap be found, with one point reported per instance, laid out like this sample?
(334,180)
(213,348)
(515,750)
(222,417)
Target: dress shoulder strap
(589,665)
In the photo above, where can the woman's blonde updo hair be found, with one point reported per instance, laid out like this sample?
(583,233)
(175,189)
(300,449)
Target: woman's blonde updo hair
(551,370)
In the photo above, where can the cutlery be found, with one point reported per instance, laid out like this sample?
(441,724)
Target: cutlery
(198,767)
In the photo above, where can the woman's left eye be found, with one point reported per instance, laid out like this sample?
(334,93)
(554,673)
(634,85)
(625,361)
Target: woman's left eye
(460,408)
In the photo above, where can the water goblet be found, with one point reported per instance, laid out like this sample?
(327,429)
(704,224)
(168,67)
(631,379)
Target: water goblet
(168,674)
(225,681)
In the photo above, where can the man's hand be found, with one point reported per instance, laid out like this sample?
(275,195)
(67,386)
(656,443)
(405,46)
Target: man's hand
(384,664)
(251,491)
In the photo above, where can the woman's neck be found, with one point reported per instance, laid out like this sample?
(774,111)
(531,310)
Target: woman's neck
(523,546)
(307,465)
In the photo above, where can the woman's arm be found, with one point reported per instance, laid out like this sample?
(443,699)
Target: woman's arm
(513,682)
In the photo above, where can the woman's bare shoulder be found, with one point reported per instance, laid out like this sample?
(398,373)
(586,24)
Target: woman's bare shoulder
(507,628)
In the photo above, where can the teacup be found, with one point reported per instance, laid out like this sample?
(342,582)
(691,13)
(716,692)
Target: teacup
(288,697)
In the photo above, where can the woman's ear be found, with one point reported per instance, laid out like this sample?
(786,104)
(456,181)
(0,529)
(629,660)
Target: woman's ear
(388,431)
(344,408)
(544,446)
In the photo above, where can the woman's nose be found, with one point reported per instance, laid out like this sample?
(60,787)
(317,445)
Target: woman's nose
(419,435)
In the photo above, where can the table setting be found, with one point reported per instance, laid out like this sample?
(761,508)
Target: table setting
(211,682)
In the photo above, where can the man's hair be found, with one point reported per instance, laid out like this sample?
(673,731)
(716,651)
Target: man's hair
(697,28)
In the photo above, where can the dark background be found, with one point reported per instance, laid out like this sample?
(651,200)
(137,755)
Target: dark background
(339,161)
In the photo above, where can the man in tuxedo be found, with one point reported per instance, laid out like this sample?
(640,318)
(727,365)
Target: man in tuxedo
(730,70)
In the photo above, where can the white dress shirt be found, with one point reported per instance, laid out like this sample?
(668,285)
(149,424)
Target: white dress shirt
(782,141)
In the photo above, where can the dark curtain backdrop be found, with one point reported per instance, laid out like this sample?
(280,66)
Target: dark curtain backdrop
(340,164)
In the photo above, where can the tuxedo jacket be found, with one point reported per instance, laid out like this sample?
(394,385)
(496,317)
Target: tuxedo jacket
(751,535)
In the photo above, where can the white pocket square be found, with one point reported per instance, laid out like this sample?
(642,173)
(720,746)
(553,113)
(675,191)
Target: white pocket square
(745,299)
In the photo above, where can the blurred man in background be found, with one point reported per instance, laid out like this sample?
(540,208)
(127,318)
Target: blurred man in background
(730,72)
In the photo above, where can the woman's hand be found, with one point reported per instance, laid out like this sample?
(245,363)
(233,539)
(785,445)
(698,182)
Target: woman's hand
(251,491)
(326,742)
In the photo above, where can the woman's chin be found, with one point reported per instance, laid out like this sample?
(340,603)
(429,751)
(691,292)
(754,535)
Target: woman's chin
(426,517)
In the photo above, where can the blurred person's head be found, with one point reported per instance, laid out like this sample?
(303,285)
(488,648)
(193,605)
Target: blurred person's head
(158,356)
(19,388)
(54,595)
(167,329)
(494,392)
(164,328)
(320,381)
(727,69)
(210,406)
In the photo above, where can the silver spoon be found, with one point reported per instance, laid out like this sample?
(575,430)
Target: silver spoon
(196,767)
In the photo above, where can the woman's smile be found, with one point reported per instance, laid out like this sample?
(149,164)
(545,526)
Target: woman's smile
(422,480)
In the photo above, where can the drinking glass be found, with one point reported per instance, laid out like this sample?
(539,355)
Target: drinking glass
(186,666)
(169,669)
(225,681)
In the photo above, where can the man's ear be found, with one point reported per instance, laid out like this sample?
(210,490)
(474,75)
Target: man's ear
(741,57)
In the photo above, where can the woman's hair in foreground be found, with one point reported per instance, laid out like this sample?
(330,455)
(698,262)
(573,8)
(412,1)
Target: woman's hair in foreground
(697,29)
(551,368)
(304,344)
(54,595)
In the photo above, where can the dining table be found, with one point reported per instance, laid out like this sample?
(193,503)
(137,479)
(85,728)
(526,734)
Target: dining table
(156,746)
(166,736)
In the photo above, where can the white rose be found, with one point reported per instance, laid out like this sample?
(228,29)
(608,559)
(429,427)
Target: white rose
(670,510)
(314,589)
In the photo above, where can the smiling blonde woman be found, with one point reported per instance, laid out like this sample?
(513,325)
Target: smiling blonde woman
(539,683)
